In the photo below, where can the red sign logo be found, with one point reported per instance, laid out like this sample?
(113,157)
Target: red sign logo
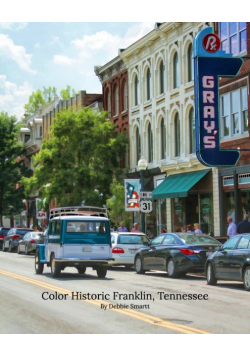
(211,43)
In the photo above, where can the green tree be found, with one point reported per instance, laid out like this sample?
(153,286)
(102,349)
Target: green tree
(12,168)
(77,163)
(35,100)
(67,93)
(116,204)
(49,94)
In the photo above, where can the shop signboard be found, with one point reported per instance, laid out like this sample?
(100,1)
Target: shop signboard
(211,63)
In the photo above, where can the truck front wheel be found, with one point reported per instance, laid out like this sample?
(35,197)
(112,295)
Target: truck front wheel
(38,265)
(55,267)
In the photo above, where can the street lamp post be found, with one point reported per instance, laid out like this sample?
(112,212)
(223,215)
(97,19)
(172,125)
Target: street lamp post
(142,165)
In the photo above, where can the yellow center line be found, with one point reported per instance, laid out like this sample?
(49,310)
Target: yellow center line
(132,313)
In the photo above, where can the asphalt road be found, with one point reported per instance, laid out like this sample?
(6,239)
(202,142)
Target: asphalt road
(127,303)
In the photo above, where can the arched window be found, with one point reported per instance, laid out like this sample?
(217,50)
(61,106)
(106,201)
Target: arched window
(161,78)
(116,101)
(163,139)
(108,106)
(124,95)
(190,63)
(192,139)
(148,96)
(136,89)
(150,143)
(138,145)
(176,82)
(177,135)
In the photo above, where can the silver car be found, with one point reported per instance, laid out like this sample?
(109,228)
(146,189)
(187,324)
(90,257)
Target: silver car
(29,242)
(125,245)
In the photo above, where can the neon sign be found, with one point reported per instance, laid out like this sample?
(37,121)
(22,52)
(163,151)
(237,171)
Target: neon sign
(210,63)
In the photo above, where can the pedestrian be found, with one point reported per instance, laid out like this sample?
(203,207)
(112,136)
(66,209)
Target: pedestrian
(232,228)
(188,228)
(135,228)
(244,225)
(163,231)
(197,229)
(35,228)
(122,227)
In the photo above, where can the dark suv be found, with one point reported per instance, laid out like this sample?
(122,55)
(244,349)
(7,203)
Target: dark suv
(3,233)
(10,241)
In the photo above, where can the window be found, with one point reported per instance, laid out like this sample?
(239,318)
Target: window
(230,244)
(169,240)
(177,135)
(108,101)
(157,240)
(163,139)
(150,143)
(234,112)
(148,95)
(138,145)
(190,63)
(116,101)
(233,37)
(176,71)
(124,95)
(136,90)
(244,243)
(161,77)
(192,141)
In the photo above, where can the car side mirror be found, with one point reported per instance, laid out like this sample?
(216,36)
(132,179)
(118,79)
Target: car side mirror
(146,243)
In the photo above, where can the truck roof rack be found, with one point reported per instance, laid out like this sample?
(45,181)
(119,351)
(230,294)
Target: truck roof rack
(78,210)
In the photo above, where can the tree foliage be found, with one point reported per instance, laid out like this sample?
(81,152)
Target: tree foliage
(43,97)
(78,161)
(12,167)
(67,93)
(116,204)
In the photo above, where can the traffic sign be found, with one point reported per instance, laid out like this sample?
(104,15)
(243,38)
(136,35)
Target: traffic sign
(146,206)
(148,195)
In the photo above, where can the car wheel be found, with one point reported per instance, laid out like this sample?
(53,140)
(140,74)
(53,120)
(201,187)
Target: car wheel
(10,247)
(246,278)
(26,250)
(3,247)
(82,270)
(18,249)
(171,268)
(101,272)
(211,280)
(55,267)
(138,265)
(38,265)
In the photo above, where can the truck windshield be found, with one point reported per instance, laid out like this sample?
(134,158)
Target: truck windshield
(97,227)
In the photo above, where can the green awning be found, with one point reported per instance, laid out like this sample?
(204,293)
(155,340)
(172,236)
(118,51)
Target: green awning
(178,185)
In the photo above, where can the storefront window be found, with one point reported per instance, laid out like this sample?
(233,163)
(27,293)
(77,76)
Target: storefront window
(230,205)
(161,215)
(178,217)
(206,214)
(244,202)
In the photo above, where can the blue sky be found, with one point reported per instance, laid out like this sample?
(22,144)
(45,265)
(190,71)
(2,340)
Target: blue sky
(34,55)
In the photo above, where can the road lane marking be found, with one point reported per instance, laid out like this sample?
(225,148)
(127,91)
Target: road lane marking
(131,313)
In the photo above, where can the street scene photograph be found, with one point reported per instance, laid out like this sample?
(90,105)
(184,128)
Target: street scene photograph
(124,181)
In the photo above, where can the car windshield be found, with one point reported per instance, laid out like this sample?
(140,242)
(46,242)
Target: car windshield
(198,239)
(132,239)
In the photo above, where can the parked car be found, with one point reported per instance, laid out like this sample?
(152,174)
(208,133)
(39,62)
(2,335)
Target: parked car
(29,241)
(176,253)
(230,262)
(125,245)
(3,233)
(10,241)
